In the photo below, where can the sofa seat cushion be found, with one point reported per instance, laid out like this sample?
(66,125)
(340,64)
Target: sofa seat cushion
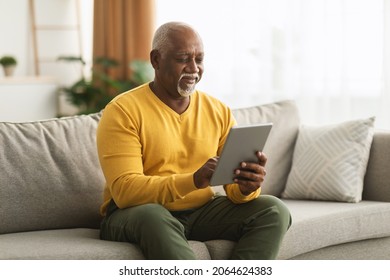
(319,224)
(73,244)
(369,249)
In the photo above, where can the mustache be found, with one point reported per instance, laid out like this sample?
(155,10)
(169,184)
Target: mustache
(192,76)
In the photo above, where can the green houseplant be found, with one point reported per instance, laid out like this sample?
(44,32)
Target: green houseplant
(9,63)
(92,94)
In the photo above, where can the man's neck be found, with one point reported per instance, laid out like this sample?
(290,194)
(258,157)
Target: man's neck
(179,104)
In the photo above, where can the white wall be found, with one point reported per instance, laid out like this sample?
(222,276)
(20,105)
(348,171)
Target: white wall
(14,34)
(28,99)
(16,39)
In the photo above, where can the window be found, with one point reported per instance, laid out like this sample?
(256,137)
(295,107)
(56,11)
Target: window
(326,54)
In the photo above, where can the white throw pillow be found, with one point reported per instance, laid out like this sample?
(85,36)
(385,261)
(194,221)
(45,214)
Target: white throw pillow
(329,162)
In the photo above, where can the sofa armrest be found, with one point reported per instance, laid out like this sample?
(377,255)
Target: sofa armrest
(377,178)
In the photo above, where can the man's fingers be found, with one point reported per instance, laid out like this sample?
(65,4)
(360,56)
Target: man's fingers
(262,158)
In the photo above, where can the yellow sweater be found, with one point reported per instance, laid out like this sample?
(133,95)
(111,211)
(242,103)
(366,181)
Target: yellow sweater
(149,153)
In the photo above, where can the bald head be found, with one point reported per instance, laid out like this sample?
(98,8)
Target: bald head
(164,35)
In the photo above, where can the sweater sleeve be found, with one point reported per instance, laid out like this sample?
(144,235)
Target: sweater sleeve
(119,150)
(234,194)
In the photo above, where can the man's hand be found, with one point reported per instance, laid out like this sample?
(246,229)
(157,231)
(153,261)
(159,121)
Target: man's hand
(250,175)
(202,177)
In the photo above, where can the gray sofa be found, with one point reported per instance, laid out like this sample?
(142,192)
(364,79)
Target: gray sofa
(51,189)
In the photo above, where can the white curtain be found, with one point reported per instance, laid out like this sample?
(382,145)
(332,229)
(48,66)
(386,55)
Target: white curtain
(331,56)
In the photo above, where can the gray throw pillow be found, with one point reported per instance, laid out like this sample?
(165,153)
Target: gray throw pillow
(280,144)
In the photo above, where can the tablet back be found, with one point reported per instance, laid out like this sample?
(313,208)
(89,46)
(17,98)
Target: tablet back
(241,144)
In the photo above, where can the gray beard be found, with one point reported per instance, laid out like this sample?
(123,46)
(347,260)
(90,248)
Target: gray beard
(185,92)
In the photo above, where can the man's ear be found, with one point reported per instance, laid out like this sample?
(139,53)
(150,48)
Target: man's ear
(155,59)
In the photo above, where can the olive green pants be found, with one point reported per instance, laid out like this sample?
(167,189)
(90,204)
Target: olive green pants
(258,227)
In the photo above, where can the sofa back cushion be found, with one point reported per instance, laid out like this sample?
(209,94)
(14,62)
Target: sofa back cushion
(50,175)
(280,144)
(376,181)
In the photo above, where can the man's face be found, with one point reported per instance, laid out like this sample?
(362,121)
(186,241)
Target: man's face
(180,66)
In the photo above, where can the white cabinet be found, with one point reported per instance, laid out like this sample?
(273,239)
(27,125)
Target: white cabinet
(28,98)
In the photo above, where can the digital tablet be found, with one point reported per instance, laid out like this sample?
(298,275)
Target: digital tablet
(241,144)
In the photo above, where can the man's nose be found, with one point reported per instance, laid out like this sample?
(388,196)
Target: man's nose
(192,66)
